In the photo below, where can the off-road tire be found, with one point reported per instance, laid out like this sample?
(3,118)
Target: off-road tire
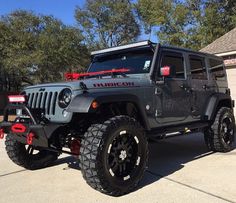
(18,153)
(95,155)
(216,138)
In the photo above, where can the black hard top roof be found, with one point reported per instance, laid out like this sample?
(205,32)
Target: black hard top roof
(148,43)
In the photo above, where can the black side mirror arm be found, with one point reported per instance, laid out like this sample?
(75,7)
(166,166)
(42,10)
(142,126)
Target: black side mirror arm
(161,82)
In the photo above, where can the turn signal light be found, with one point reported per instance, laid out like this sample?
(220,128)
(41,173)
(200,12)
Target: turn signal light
(94,105)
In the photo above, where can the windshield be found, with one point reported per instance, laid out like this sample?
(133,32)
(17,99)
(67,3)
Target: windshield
(136,61)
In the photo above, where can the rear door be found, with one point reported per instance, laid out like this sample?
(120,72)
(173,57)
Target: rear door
(218,74)
(201,85)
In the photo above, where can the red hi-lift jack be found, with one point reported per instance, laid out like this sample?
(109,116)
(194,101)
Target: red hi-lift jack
(76,76)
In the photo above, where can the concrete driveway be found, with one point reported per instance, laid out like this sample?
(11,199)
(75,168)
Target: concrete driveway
(180,170)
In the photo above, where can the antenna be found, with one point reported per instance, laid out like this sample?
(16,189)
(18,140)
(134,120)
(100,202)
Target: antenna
(150,34)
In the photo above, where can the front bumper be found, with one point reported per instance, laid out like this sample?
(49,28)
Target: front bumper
(41,131)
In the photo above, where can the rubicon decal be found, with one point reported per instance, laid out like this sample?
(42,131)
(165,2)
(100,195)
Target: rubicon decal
(114,84)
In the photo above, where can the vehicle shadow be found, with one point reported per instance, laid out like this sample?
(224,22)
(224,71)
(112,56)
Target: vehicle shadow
(165,156)
(170,155)
(71,161)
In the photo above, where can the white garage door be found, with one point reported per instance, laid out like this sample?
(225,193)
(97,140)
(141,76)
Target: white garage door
(231,73)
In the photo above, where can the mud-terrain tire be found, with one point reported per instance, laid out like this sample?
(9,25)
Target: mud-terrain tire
(114,155)
(220,136)
(23,155)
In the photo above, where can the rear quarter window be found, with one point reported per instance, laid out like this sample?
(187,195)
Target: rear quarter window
(217,68)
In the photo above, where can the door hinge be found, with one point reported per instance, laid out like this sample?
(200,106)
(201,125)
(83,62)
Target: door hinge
(158,113)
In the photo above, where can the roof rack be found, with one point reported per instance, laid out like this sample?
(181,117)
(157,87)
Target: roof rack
(133,45)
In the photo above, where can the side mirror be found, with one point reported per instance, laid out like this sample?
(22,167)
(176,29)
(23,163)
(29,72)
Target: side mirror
(165,71)
(168,71)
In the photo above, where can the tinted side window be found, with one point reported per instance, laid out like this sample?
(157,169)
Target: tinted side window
(217,68)
(175,61)
(198,68)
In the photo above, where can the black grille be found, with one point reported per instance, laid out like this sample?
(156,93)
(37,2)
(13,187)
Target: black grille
(43,101)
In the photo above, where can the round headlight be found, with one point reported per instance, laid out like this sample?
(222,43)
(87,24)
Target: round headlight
(64,98)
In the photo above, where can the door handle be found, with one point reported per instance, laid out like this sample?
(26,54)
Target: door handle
(186,88)
(158,91)
(205,87)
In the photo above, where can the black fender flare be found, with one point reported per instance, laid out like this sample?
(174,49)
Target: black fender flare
(82,103)
(213,103)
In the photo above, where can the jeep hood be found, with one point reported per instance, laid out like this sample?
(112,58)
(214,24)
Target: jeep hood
(94,83)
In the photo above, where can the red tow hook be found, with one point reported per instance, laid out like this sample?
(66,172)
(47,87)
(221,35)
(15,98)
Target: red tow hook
(18,128)
(1,133)
(29,138)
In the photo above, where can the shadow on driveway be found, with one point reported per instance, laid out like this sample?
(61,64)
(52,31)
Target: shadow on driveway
(170,155)
(165,156)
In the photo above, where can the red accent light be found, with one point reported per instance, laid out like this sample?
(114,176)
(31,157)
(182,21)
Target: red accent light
(76,76)
(95,105)
(1,133)
(75,146)
(165,71)
(29,138)
(16,98)
(18,128)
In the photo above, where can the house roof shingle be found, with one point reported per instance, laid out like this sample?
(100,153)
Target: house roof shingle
(224,44)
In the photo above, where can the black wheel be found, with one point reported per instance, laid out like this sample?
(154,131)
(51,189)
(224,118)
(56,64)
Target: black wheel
(114,155)
(28,156)
(220,136)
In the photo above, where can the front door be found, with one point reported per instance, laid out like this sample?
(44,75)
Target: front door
(173,95)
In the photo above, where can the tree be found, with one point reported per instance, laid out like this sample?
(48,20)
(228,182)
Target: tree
(17,46)
(107,23)
(168,16)
(61,49)
(219,18)
(19,41)
(190,23)
(39,47)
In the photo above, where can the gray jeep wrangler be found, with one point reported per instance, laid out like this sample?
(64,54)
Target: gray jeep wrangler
(105,117)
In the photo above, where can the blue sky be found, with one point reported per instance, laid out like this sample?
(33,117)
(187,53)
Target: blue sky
(61,9)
